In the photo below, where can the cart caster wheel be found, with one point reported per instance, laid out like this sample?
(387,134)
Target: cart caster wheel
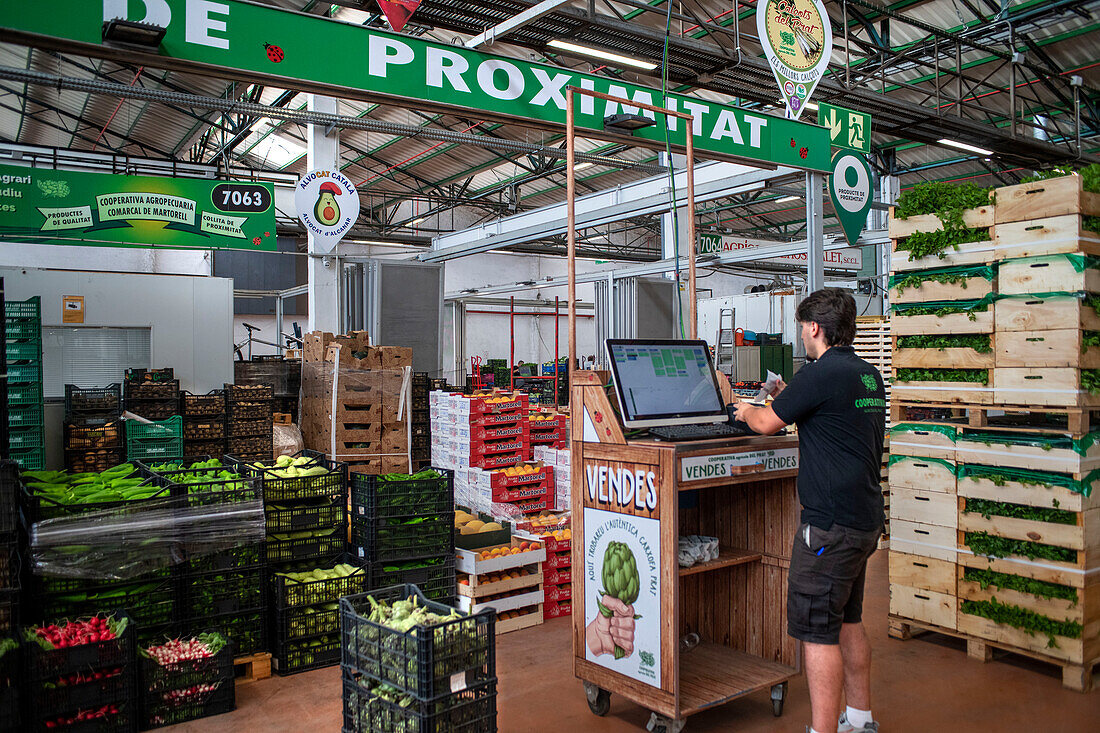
(779,695)
(661,724)
(599,699)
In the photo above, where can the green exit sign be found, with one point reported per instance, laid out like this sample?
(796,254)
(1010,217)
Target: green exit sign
(847,128)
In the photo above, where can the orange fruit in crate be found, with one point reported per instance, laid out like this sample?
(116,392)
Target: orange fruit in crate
(463,581)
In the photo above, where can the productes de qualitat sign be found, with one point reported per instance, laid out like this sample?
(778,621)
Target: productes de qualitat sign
(621,604)
(282,47)
(39,205)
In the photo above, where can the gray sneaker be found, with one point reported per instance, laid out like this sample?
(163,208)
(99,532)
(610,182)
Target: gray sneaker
(843,726)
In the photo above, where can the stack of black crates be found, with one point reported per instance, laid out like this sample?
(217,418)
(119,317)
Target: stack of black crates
(249,421)
(222,591)
(421,446)
(92,686)
(440,677)
(153,394)
(404,527)
(9,598)
(187,690)
(204,423)
(306,529)
(95,439)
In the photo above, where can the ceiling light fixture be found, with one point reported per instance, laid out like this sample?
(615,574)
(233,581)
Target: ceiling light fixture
(786,199)
(582,166)
(811,106)
(965,146)
(132,33)
(417,221)
(626,123)
(602,55)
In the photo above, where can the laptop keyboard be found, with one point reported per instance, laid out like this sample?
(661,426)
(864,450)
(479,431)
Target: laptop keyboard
(701,432)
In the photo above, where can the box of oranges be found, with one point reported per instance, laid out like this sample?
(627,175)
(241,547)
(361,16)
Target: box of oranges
(479,586)
(530,472)
(556,610)
(497,402)
(517,553)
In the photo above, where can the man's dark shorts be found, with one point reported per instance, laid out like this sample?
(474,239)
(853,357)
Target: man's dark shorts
(825,585)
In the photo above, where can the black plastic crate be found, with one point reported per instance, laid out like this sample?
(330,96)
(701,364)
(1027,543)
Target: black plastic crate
(402,538)
(149,376)
(302,655)
(9,496)
(214,448)
(123,719)
(203,429)
(244,557)
(249,393)
(372,496)
(153,409)
(44,665)
(168,389)
(251,445)
(290,593)
(211,404)
(246,630)
(9,566)
(168,695)
(10,682)
(9,607)
(250,427)
(300,623)
(94,434)
(434,576)
(220,592)
(277,489)
(250,410)
(296,550)
(81,691)
(150,605)
(94,460)
(37,507)
(311,514)
(368,708)
(425,662)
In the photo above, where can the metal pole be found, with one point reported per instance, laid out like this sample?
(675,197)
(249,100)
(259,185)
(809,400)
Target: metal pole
(815,237)
(1011,79)
(570,221)
(692,305)
(555,352)
(512,344)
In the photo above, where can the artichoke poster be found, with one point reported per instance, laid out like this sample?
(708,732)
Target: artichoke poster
(45,206)
(622,593)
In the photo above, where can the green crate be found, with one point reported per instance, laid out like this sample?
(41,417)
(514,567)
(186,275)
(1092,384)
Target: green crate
(172,428)
(154,450)
(30,308)
(30,460)
(24,395)
(24,350)
(23,329)
(25,373)
(26,439)
(25,417)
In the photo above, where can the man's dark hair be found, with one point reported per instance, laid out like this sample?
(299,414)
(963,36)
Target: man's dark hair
(834,310)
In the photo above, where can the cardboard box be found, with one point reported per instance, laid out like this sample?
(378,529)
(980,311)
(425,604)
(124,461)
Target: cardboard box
(558,576)
(520,493)
(558,560)
(557,593)
(557,610)
(466,559)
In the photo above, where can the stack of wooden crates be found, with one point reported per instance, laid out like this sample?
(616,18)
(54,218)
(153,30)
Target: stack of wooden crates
(351,397)
(995,530)
(873,344)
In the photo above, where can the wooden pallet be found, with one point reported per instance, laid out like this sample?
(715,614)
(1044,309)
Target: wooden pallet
(252,668)
(1076,677)
(1015,418)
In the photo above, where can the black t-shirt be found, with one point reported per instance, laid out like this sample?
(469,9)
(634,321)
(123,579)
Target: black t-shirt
(839,404)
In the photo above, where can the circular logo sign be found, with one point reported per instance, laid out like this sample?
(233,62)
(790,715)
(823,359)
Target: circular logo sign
(800,90)
(850,191)
(328,205)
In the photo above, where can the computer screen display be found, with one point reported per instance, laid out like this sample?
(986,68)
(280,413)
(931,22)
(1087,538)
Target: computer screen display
(664,381)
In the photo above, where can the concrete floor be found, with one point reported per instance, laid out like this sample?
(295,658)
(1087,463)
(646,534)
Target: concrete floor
(925,684)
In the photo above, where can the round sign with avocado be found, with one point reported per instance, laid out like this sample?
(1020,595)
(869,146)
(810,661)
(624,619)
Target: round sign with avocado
(328,205)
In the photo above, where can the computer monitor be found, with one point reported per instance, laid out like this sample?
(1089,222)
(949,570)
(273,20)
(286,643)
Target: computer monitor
(665,382)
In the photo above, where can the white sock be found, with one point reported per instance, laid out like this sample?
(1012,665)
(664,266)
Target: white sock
(858,718)
(813,731)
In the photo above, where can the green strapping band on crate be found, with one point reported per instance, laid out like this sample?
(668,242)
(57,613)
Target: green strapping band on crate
(960,273)
(999,475)
(942,307)
(911,427)
(897,459)
(1080,263)
(1080,446)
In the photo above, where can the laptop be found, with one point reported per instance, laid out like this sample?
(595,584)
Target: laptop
(668,387)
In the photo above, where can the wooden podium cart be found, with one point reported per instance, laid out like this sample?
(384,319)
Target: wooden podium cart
(638,497)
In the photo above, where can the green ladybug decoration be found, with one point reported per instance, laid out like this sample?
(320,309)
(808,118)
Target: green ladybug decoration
(326,210)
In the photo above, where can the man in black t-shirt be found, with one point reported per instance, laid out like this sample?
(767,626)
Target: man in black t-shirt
(838,402)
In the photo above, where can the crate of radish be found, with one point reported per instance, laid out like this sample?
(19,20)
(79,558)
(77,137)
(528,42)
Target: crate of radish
(422,648)
(186,679)
(91,642)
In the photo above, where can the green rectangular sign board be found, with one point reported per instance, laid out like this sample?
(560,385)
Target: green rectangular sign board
(46,206)
(847,128)
(238,39)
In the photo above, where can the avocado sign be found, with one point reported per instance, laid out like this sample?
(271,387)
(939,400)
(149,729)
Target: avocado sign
(328,205)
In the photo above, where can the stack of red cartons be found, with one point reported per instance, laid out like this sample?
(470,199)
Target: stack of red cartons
(527,486)
(548,428)
(557,578)
(491,430)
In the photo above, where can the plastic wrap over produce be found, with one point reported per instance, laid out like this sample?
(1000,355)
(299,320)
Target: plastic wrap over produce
(124,543)
(355,404)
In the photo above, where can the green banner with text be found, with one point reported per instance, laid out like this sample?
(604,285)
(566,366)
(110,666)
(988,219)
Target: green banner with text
(45,206)
(242,38)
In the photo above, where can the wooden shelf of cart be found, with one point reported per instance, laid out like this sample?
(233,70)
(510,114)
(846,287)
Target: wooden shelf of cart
(741,490)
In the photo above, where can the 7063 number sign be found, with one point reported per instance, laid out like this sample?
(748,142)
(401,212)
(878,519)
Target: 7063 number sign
(240,197)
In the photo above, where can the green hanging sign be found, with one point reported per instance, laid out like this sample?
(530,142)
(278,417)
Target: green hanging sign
(45,206)
(850,190)
(250,41)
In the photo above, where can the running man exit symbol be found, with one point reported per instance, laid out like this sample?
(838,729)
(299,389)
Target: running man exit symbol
(855,131)
(847,128)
